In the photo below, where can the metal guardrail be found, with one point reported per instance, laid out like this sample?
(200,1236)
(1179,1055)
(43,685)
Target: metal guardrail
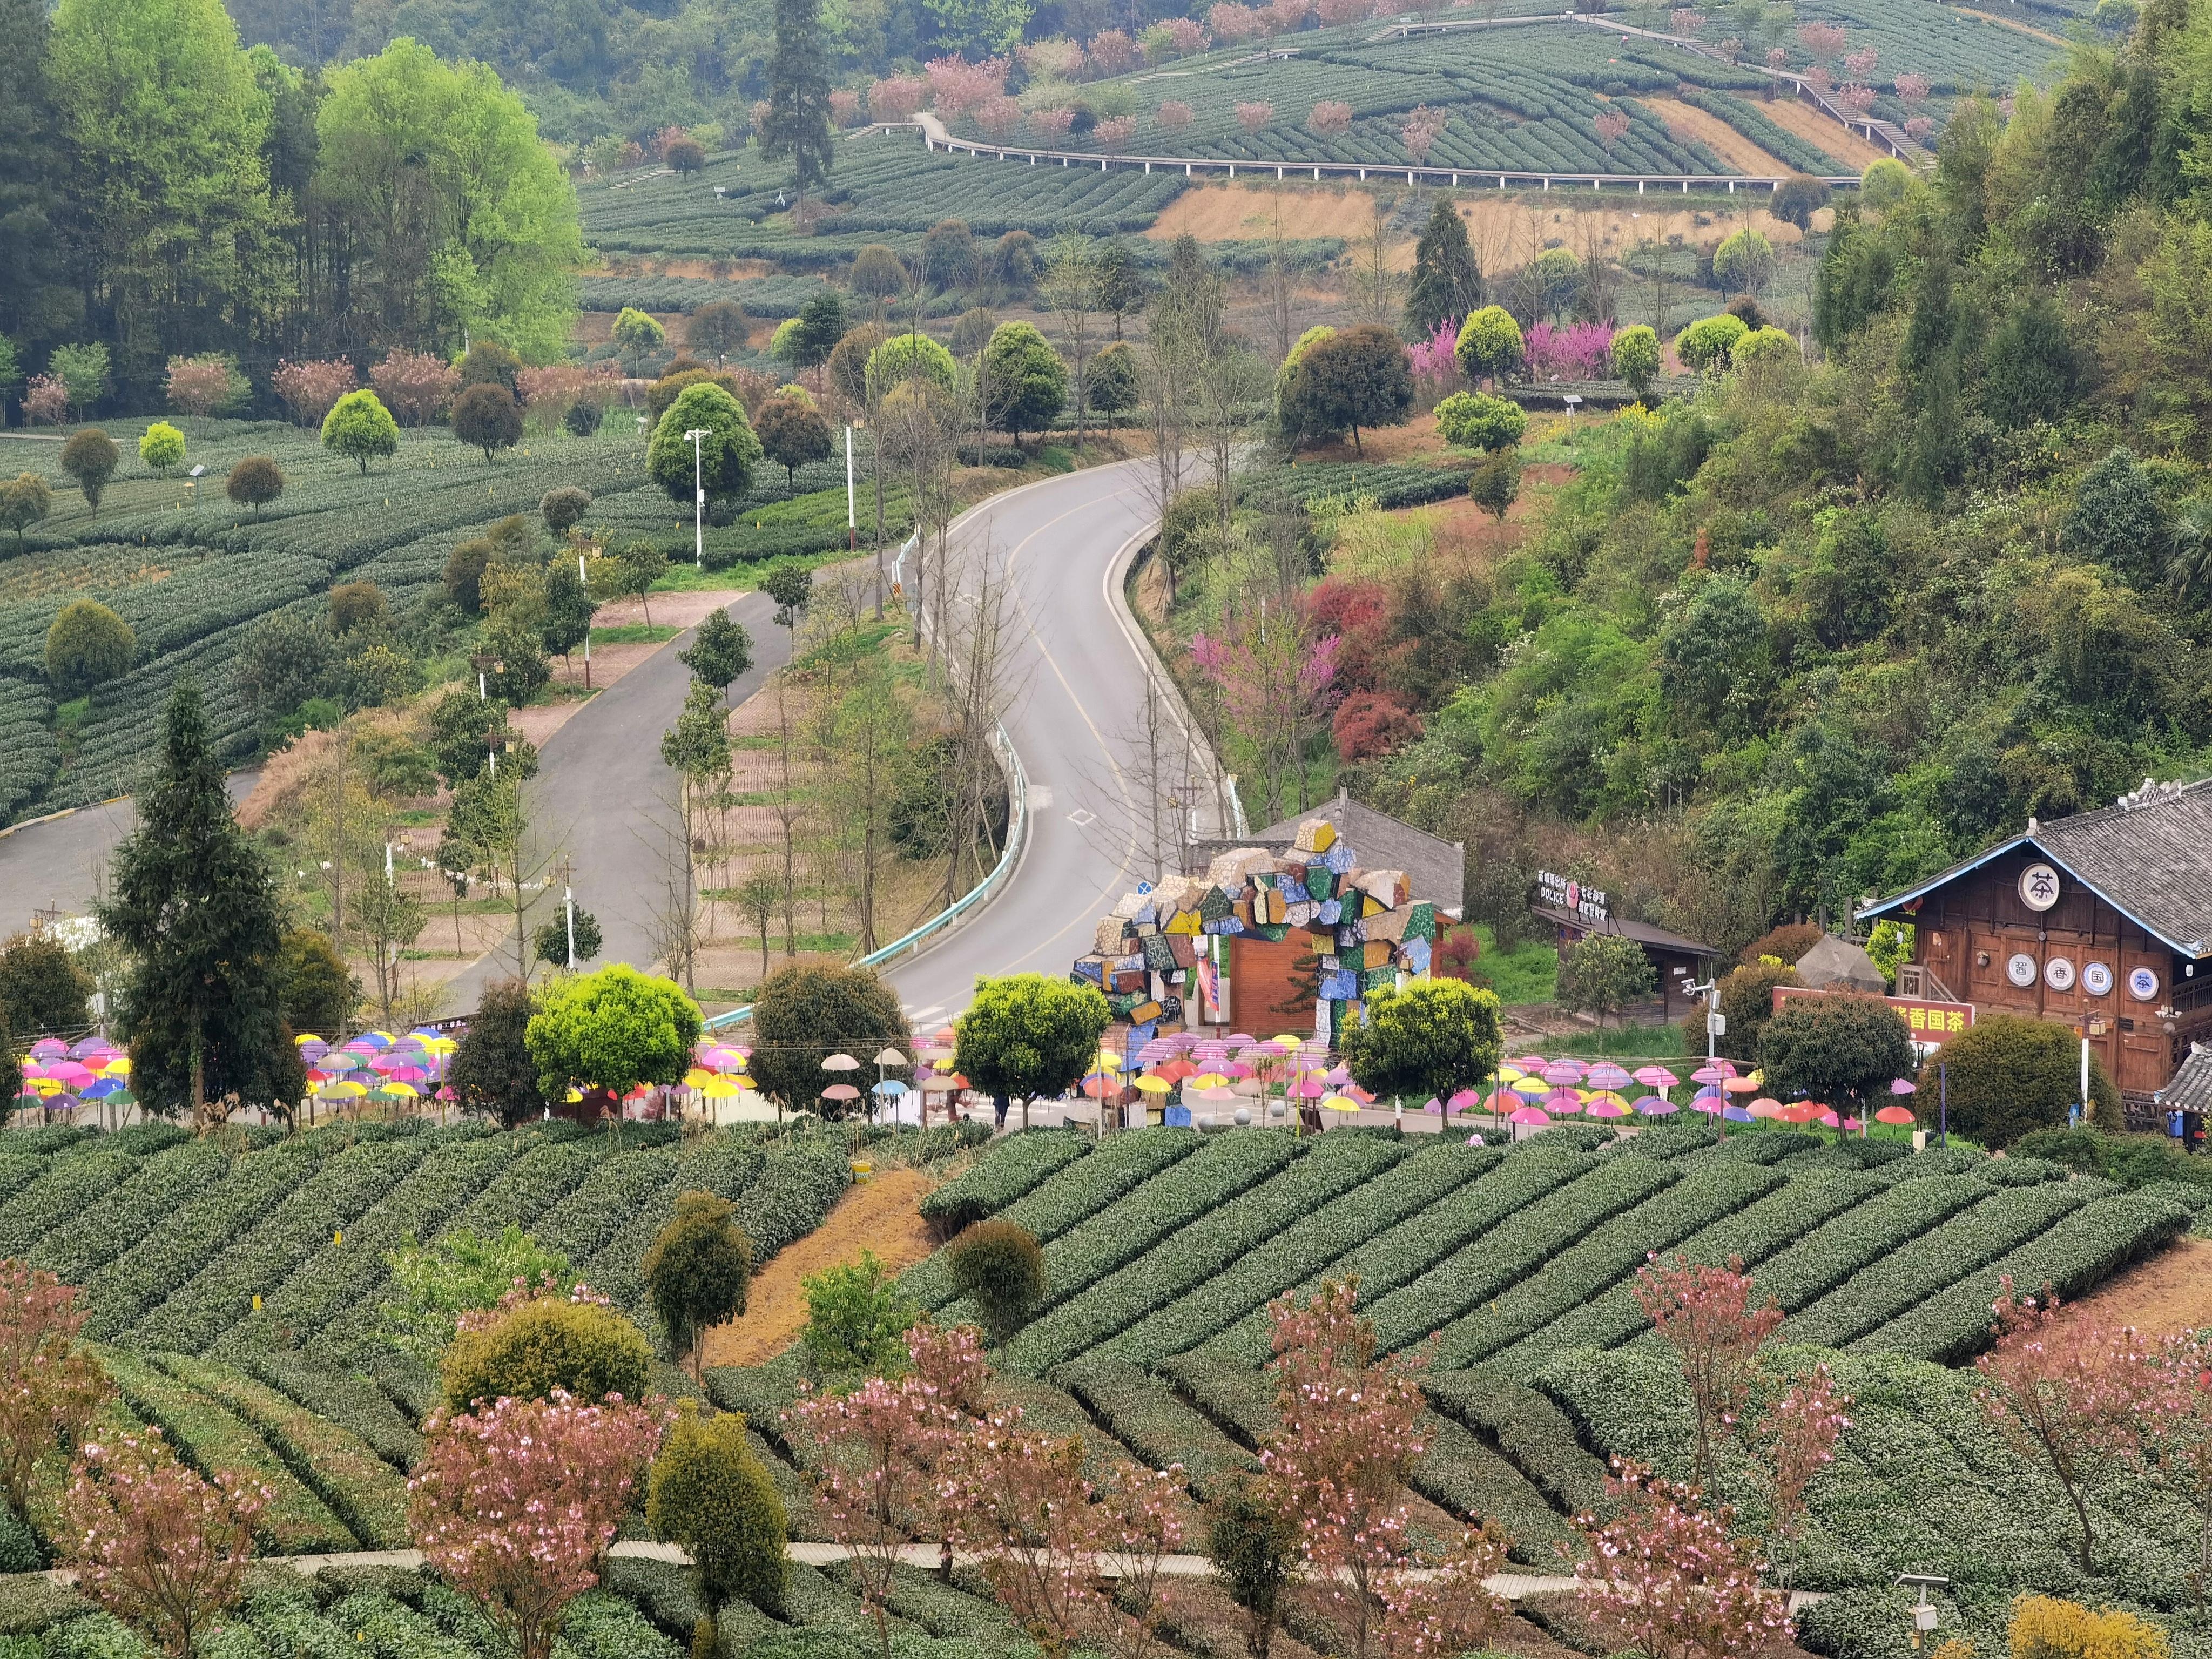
(1018,831)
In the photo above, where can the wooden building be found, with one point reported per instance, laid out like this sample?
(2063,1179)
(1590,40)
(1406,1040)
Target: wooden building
(2102,921)
(1676,960)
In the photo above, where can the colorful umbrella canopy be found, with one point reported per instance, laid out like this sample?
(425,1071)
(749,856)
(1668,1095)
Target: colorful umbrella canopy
(1607,1108)
(1740,1085)
(938,1085)
(696,1078)
(1154,1085)
(1239,1039)
(1341,1103)
(890,1086)
(1903,1085)
(1655,1077)
(1564,1072)
(49,1048)
(840,1091)
(1532,1088)
(841,1063)
(1563,1100)
(1712,1073)
(1530,1115)
(1831,1120)
(375,1039)
(1606,1075)
(1737,1114)
(1107,1062)
(403,1090)
(890,1056)
(1099,1087)
(1461,1100)
(1337,1076)
(343,1089)
(1208,1080)
(1510,1073)
(1803,1111)
(721,1088)
(1307,1088)
(1532,1062)
(1653,1106)
(1894,1114)
(1765,1106)
(1709,1104)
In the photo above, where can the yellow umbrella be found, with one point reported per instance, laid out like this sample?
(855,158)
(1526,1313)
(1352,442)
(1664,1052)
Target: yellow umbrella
(575,1095)
(1208,1080)
(1511,1074)
(345,1086)
(118,1066)
(696,1078)
(306,1038)
(1288,1042)
(1341,1103)
(408,1089)
(1154,1085)
(442,1045)
(721,1088)
(1107,1063)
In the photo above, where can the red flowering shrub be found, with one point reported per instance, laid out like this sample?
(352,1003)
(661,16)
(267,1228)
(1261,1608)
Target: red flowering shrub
(1370,723)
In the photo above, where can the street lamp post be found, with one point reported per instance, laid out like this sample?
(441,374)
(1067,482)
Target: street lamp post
(698,500)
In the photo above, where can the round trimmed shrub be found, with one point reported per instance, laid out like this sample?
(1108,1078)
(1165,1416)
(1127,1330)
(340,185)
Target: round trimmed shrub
(1489,342)
(709,1492)
(588,1350)
(698,1270)
(90,457)
(583,418)
(1840,1049)
(1475,420)
(1000,1265)
(255,482)
(87,646)
(563,506)
(2008,1075)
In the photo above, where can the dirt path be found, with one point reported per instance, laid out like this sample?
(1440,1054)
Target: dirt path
(1816,129)
(2172,1291)
(1717,135)
(883,1216)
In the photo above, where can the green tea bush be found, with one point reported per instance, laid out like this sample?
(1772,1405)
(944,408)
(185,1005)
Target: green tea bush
(999,1267)
(709,1493)
(1003,1173)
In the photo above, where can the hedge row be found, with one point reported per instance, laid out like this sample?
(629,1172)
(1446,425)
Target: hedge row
(70,1187)
(330,1304)
(205,1435)
(1131,1226)
(103,1231)
(948,1614)
(1016,1165)
(1478,1272)
(1458,1473)
(222,1294)
(1605,1256)
(1833,1251)
(115,1296)
(588,1215)
(341,1469)
(1312,1245)
(1417,1244)
(2083,1249)
(1530,1432)
(1214,1243)
(1241,1400)
(18,1170)
(1952,1252)
(599,1625)
(795,1193)
(1143,1414)
(350,1401)
(763,1393)
(1751,1236)
(532,1186)
(724,1164)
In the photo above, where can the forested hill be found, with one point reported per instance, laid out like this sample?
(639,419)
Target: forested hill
(1862,617)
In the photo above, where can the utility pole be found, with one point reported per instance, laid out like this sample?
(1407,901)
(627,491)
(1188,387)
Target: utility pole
(698,499)
(584,582)
(569,904)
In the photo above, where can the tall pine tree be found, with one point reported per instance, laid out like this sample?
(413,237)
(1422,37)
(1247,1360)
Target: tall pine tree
(37,302)
(193,901)
(798,125)
(1447,283)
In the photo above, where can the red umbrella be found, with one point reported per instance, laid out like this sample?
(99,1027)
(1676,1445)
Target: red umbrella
(840,1091)
(1894,1114)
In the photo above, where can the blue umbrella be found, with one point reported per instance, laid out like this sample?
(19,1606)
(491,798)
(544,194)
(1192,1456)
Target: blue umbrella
(890,1085)
(1737,1114)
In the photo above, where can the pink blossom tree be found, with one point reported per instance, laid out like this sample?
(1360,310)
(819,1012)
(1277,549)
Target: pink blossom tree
(2071,1396)
(1424,126)
(162,1549)
(845,107)
(1778,57)
(999,116)
(1913,88)
(1350,1436)
(1920,129)
(515,1504)
(1330,118)
(1113,133)
(1335,13)
(1232,22)
(894,97)
(1436,365)
(1665,1578)
(49,1385)
(1287,16)
(416,386)
(1173,114)
(1612,126)
(1685,21)
(1797,1440)
(1855,97)
(200,386)
(1704,1314)
(1112,52)
(1019,1502)
(1275,675)
(1253,117)
(2179,1430)
(956,86)
(1822,41)
(1050,124)
(309,389)
(45,399)
(1186,35)
(1860,64)
(878,1450)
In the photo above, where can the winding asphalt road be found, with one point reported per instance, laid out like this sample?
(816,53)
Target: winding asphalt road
(1076,673)
(1076,714)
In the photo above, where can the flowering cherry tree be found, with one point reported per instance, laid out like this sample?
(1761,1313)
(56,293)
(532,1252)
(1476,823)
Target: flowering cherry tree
(999,116)
(1664,1579)
(1797,1439)
(1424,124)
(1232,22)
(1186,34)
(1706,1314)
(1173,114)
(1822,40)
(2071,1397)
(1350,1436)
(1112,52)
(1685,21)
(310,389)
(1611,127)
(1254,116)
(878,1448)
(1051,123)
(894,97)
(416,386)
(1331,118)
(1860,64)
(162,1549)
(956,86)
(1115,132)
(1276,679)
(1019,1501)
(1912,86)
(515,1504)
(49,1387)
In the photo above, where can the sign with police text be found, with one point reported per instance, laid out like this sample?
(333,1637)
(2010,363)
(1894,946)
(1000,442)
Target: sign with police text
(1562,893)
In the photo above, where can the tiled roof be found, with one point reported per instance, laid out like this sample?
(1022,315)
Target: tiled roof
(2148,855)
(1642,931)
(2192,1087)
(1436,868)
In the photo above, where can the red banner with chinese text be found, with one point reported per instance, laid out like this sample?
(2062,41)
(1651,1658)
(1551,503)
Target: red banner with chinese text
(1931,1021)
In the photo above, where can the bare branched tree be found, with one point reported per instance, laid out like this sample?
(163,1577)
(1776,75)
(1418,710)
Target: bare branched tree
(1071,288)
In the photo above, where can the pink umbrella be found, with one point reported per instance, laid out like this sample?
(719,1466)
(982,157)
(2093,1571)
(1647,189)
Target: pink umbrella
(1903,1085)
(1434,1107)
(1765,1107)
(1713,1073)
(1532,1115)
(1269,1047)
(1530,1062)
(1240,1039)
(1564,1071)
(1829,1118)
(1461,1101)
(1563,1101)
(405,1073)
(49,1048)
(1895,1115)
(840,1091)
(1655,1077)
(1709,1104)
(1308,1088)
(70,1074)
(1237,1068)
(1606,1075)
(1336,1077)
(1739,1086)
(1653,1106)
(1607,1108)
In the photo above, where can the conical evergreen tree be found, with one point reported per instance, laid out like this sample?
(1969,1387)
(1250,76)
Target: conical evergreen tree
(798,125)
(1447,283)
(193,901)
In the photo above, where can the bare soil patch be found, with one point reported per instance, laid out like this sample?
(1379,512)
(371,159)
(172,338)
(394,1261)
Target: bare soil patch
(883,1215)
(1717,135)
(2172,1291)
(1814,128)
